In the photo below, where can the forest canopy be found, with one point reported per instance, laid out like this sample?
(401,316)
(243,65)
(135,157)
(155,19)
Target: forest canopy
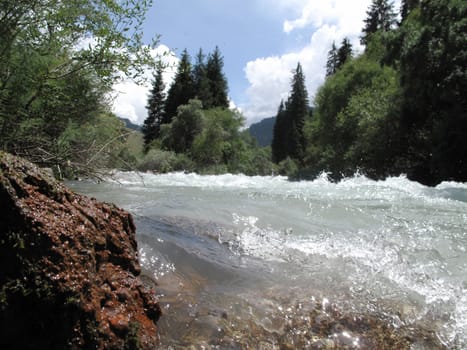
(399,107)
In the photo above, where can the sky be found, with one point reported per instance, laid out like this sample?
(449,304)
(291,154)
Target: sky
(261,42)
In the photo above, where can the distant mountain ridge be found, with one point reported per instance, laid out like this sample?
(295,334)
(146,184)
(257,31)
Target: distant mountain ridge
(130,125)
(262,131)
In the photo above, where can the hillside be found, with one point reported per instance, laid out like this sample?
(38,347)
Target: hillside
(262,131)
(130,125)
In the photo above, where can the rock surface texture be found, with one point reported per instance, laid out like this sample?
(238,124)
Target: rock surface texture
(68,268)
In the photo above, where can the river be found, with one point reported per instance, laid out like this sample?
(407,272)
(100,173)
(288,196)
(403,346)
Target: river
(261,262)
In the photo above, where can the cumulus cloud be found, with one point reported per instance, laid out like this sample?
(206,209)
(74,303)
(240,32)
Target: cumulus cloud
(327,21)
(130,98)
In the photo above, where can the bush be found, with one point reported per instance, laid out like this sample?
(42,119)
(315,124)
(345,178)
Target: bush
(288,167)
(165,161)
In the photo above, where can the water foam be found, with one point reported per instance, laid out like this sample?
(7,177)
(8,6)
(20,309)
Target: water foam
(392,237)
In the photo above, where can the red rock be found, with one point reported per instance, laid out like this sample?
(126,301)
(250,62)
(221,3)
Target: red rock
(68,268)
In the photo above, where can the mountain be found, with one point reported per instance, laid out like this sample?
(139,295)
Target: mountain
(130,125)
(262,131)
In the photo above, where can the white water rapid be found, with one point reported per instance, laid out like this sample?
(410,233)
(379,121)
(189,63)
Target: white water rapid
(393,247)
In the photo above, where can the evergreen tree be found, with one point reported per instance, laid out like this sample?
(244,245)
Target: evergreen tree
(344,53)
(434,112)
(288,140)
(181,90)
(200,80)
(217,80)
(380,16)
(155,107)
(279,139)
(407,6)
(297,112)
(331,63)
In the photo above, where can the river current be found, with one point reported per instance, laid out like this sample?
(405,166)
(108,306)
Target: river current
(237,256)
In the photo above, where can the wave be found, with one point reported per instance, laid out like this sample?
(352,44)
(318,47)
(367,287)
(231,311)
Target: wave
(356,187)
(390,239)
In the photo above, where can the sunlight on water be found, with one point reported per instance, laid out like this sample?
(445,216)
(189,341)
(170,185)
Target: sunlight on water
(392,245)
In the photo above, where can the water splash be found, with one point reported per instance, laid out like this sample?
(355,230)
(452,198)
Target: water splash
(391,241)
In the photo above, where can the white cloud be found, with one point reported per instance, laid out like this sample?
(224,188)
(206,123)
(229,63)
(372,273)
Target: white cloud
(130,98)
(327,21)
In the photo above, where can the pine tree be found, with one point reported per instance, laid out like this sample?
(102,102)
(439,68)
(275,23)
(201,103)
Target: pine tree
(288,138)
(217,80)
(181,90)
(407,6)
(344,53)
(297,112)
(380,16)
(331,63)
(201,84)
(155,107)
(279,139)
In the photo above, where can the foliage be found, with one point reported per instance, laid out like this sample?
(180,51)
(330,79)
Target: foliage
(204,81)
(331,63)
(338,57)
(178,136)
(216,81)
(279,139)
(434,111)
(83,149)
(181,90)
(288,167)
(380,17)
(344,53)
(288,138)
(201,82)
(156,109)
(207,141)
(58,60)
(355,121)
(160,161)
(401,106)
(407,6)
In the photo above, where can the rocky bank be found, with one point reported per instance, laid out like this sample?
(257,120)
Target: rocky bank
(68,268)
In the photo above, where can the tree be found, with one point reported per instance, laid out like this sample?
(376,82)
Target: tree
(380,16)
(155,107)
(201,82)
(344,53)
(279,140)
(219,141)
(58,61)
(331,63)
(407,6)
(217,80)
(355,107)
(434,112)
(297,112)
(181,90)
(178,136)
(288,140)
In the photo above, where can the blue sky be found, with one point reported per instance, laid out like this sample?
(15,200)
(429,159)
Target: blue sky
(261,41)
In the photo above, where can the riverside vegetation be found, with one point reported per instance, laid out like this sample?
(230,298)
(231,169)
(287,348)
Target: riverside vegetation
(398,107)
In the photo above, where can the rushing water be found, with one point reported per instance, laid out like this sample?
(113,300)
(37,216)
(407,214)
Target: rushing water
(233,249)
